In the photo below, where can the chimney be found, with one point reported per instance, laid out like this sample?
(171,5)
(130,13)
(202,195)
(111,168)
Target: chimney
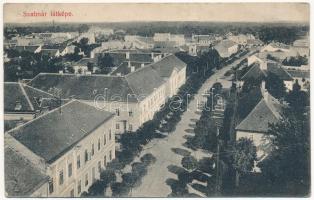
(152,55)
(127,55)
(264,91)
(129,64)
(263,65)
(142,64)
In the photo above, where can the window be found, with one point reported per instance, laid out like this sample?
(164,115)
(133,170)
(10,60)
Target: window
(117,126)
(118,112)
(130,127)
(61,177)
(79,187)
(72,193)
(86,179)
(105,160)
(98,144)
(70,170)
(99,166)
(105,139)
(50,182)
(110,155)
(93,150)
(78,162)
(109,134)
(131,113)
(86,156)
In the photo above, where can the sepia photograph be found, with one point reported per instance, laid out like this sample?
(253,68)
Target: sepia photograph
(168,100)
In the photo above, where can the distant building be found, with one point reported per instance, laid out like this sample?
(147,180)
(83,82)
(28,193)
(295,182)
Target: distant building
(162,37)
(73,145)
(226,48)
(203,40)
(275,47)
(301,75)
(28,48)
(53,53)
(241,39)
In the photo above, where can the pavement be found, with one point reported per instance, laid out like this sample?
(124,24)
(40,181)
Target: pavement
(154,183)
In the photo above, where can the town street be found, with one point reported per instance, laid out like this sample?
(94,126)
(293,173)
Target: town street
(154,183)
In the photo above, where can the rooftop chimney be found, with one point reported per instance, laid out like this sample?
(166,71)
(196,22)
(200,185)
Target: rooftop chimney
(132,68)
(129,63)
(127,55)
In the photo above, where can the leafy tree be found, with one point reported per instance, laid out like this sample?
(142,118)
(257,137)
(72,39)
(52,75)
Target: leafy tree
(244,155)
(139,168)
(297,99)
(105,61)
(120,189)
(295,61)
(189,162)
(287,168)
(148,159)
(108,177)
(97,189)
(275,86)
(131,179)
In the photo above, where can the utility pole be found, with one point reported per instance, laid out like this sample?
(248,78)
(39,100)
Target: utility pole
(217,163)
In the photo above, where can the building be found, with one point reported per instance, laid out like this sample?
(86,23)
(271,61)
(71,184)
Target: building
(139,42)
(301,75)
(179,39)
(241,39)
(24,103)
(226,48)
(52,53)
(196,50)
(162,37)
(256,125)
(71,145)
(260,71)
(204,40)
(84,65)
(134,97)
(22,178)
(275,47)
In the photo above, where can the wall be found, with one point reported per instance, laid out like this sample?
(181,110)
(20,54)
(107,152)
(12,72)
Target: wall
(71,183)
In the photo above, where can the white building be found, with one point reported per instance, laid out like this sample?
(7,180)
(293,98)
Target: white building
(71,145)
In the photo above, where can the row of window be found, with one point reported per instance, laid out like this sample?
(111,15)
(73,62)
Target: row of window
(130,126)
(118,113)
(78,161)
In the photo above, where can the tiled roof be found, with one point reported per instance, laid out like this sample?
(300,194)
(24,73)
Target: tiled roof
(51,135)
(84,87)
(165,66)
(267,111)
(27,96)
(29,48)
(255,71)
(299,73)
(21,177)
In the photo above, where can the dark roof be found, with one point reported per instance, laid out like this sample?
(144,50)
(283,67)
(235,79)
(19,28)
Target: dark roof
(84,87)
(144,81)
(49,52)
(51,135)
(124,69)
(27,96)
(263,114)
(299,73)
(13,93)
(21,177)
(165,66)
(85,61)
(59,47)
(275,68)
(255,71)
(30,48)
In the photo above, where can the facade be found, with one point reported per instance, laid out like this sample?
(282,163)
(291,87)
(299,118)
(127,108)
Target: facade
(162,37)
(273,47)
(241,39)
(74,143)
(204,40)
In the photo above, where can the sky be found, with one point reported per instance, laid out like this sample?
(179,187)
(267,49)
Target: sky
(216,12)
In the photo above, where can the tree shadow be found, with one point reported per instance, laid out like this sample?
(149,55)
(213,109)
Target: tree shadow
(194,120)
(181,152)
(189,130)
(192,125)
(175,169)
